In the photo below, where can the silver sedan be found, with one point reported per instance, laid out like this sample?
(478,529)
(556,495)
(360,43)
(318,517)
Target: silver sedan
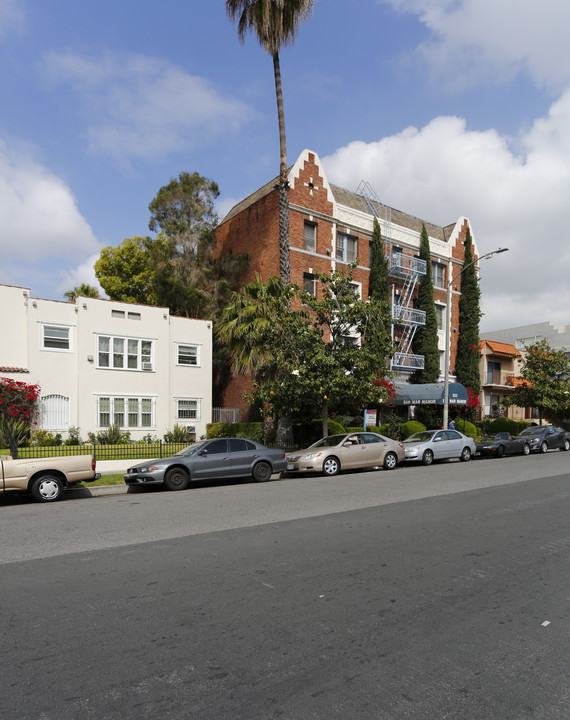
(429,445)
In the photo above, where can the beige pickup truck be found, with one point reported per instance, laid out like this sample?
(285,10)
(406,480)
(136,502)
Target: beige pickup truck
(45,478)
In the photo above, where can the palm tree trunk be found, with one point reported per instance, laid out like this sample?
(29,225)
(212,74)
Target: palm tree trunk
(283,190)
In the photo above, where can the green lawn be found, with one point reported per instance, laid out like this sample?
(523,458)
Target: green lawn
(107,480)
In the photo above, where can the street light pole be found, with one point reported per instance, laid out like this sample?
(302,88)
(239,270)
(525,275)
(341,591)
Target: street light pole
(448,331)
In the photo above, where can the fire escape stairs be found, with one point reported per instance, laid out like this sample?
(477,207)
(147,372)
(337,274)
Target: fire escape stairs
(410,270)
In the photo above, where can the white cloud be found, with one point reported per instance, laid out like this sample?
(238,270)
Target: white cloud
(39,213)
(12,16)
(491,41)
(40,218)
(145,107)
(83,273)
(443,171)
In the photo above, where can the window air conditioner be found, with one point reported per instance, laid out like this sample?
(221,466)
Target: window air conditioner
(147,366)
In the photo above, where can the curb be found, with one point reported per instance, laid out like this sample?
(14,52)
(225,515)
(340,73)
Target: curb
(97,491)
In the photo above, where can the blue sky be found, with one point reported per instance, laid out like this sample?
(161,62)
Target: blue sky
(446,107)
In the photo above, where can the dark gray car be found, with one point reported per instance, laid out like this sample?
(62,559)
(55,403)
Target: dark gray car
(501,444)
(209,460)
(542,438)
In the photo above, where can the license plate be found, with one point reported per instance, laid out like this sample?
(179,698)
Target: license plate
(290,466)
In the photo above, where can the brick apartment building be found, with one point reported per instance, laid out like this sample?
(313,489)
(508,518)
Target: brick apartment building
(331,227)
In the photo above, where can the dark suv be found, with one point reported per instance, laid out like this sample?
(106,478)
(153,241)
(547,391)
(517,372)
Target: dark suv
(542,438)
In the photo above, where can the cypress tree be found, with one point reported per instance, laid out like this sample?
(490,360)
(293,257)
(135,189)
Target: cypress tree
(378,283)
(425,339)
(467,358)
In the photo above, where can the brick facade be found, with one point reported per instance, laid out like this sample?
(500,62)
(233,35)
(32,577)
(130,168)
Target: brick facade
(252,227)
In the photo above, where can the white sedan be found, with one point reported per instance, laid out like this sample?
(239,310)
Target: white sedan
(429,445)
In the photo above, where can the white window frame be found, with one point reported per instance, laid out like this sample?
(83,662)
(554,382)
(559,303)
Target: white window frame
(310,278)
(310,239)
(440,316)
(57,326)
(179,347)
(179,409)
(357,287)
(347,250)
(124,405)
(130,349)
(438,274)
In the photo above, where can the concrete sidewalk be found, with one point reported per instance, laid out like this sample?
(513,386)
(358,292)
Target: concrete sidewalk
(114,467)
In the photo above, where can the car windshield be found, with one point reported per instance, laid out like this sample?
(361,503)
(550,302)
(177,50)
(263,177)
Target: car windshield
(329,441)
(191,449)
(532,431)
(420,436)
(492,438)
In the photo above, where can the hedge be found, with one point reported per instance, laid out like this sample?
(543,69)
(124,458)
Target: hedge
(249,430)
(411,427)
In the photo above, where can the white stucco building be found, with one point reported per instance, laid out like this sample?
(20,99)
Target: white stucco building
(100,362)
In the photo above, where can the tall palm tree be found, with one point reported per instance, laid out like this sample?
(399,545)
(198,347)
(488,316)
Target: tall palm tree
(275,23)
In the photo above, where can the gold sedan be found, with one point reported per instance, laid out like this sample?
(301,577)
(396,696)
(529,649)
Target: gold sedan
(347,452)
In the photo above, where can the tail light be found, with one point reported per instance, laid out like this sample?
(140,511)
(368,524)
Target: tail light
(93,464)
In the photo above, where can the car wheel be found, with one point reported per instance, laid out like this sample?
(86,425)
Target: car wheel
(544,447)
(176,479)
(47,488)
(331,466)
(465,455)
(526,449)
(566,445)
(427,458)
(261,472)
(390,461)
(500,451)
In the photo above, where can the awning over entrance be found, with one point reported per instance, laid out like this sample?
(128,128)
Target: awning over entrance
(430,394)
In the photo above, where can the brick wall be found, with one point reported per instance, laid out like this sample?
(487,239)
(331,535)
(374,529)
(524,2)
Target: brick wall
(255,231)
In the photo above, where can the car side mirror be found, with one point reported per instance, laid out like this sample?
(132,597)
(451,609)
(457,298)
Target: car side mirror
(203,452)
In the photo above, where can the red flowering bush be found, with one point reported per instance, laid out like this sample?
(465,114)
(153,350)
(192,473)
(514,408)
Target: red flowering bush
(18,400)
(472,399)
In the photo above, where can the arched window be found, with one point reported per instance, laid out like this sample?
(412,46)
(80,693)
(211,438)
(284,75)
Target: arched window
(54,412)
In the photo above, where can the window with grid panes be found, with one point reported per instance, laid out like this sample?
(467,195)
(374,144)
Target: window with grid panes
(120,353)
(131,412)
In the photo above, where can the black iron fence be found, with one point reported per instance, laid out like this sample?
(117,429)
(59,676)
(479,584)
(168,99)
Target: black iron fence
(130,451)
(134,451)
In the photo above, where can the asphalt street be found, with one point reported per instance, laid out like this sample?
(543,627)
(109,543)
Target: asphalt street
(422,593)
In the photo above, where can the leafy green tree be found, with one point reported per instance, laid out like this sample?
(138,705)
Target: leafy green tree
(83,290)
(184,211)
(328,352)
(545,381)
(467,358)
(186,276)
(177,268)
(275,22)
(426,339)
(126,273)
